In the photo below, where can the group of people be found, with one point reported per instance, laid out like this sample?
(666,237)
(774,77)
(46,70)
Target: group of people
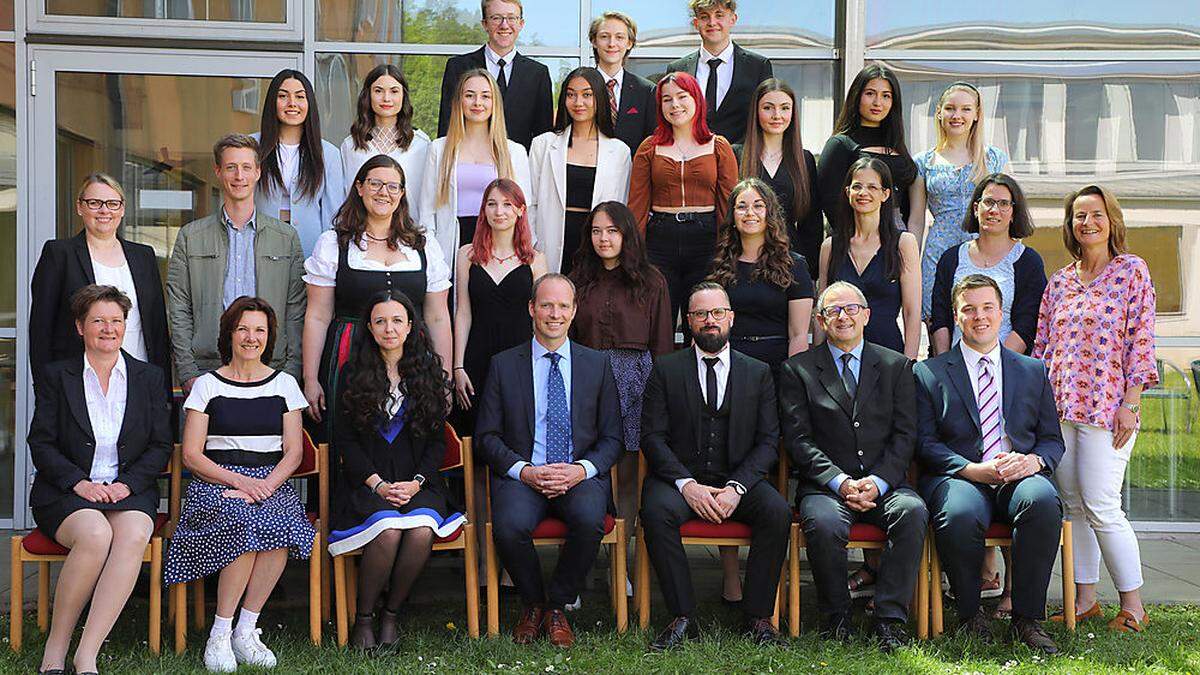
(522,275)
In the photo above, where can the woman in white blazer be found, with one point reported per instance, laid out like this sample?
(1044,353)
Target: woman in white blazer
(460,165)
(575,167)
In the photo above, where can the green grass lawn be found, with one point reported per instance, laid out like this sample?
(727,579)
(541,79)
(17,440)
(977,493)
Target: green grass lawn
(1149,466)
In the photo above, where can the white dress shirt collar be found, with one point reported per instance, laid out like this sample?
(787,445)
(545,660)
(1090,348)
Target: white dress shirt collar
(972,357)
(722,357)
(726,54)
(493,59)
(106,412)
(118,369)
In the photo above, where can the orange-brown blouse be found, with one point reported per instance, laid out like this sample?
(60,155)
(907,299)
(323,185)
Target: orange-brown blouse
(705,180)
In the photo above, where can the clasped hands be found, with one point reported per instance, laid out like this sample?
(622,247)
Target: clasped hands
(250,490)
(860,494)
(1005,467)
(99,493)
(398,493)
(713,504)
(553,480)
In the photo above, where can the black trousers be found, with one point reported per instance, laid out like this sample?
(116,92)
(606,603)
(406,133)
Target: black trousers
(961,512)
(664,510)
(681,246)
(826,520)
(516,511)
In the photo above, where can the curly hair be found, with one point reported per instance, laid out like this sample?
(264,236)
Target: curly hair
(774,264)
(350,222)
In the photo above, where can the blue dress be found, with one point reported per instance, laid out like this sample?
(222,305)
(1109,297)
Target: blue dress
(883,297)
(948,191)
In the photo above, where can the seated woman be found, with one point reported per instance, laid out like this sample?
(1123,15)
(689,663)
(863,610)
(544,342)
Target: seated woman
(242,440)
(93,494)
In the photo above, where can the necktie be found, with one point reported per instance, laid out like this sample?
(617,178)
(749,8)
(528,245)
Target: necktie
(558,419)
(989,410)
(502,80)
(848,376)
(710,89)
(612,99)
(710,383)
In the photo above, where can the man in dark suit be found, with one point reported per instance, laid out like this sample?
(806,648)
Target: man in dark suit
(549,427)
(710,431)
(852,462)
(634,109)
(988,443)
(727,72)
(524,83)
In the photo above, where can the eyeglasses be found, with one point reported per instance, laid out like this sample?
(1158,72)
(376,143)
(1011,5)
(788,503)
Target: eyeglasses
(859,187)
(376,185)
(833,311)
(106,323)
(757,207)
(718,314)
(95,204)
(1002,204)
(500,19)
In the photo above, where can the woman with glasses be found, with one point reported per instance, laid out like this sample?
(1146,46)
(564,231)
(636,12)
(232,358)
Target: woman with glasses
(97,255)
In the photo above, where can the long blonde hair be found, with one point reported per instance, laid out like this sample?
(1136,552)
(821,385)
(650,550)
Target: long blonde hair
(497,135)
(975,146)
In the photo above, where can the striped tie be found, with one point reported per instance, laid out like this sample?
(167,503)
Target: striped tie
(612,99)
(989,410)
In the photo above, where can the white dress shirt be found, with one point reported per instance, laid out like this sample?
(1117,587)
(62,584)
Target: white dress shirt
(106,413)
(289,166)
(492,59)
(722,369)
(620,78)
(724,71)
(972,359)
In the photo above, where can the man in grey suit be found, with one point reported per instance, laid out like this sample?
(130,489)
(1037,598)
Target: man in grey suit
(228,254)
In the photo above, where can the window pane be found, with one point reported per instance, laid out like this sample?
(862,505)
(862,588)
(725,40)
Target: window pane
(6,15)
(256,11)
(1032,24)
(8,428)
(8,187)
(760,24)
(456,22)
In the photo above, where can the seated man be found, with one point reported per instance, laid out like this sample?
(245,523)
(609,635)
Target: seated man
(849,422)
(988,441)
(549,427)
(710,431)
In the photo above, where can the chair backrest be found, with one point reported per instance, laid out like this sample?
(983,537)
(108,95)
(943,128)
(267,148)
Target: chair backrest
(311,459)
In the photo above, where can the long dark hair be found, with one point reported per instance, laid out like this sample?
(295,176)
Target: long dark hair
(793,148)
(774,264)
(350,222)
(422,380)
(603,119)
(843,221)
(312,155)
(849,120)
(364,120)
(638,275)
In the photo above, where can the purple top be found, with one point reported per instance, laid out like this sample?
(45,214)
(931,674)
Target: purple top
(473,179)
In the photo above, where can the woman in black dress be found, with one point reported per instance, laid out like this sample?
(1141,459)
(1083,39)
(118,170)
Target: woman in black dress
(391,500)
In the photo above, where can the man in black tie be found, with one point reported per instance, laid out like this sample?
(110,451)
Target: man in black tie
(988,443)
(524,83)
(549,427)
(849,422)
(631,96)
(710,431)
(728,73)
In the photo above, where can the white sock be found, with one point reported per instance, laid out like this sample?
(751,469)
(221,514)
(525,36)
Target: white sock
(221,626)
(247,621)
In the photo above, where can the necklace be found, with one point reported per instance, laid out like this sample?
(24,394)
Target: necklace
(768,156)
(372,237)
(505,258)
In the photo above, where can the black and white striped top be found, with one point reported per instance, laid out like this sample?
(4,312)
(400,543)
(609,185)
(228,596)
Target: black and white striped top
(245,419)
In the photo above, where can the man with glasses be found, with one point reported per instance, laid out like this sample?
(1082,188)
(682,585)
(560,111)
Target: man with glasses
(710,431)
(524,83)
(849,423)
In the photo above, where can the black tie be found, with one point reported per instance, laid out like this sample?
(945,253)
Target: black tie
(502,80)
(848,376)
(710,382)
(710,89)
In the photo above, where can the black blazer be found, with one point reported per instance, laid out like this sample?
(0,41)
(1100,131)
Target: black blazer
(671,411)
(62,445)
(948,432)
(637,111)
(528,103)
(749,69)
(826,433)
(504,426)
(64,267)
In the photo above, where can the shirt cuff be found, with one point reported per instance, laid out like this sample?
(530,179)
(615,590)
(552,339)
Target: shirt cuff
(836,483)
(881,484)
(589,469)
(679,484)
(514,471)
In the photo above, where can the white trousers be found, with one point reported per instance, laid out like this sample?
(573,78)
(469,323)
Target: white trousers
(1089,478)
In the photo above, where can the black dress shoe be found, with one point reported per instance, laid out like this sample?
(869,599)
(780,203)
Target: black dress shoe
(978,627)
(764,634)
(890,635)
(836,627)
(1030,632)
(680,629)
(53,671)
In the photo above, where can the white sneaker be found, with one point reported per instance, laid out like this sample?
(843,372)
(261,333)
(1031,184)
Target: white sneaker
(250,650)
(218,655)
(574,606)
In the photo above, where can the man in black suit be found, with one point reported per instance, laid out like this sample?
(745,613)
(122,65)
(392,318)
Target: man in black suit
(524,83)
(727,72)
(988,443)
(710,431)
(635,112)
(852,462)
(549,427)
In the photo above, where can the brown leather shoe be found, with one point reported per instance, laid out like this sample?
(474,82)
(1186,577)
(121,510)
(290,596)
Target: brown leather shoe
(1090,613)
(530,626)
(558,629)
(1030,632)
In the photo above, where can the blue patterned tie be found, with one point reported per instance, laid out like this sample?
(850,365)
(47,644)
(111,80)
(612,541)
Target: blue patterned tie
(558,419)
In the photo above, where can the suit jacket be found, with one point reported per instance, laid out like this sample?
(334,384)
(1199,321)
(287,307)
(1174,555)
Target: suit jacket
(948,432)
(637,111)
(62,445)
(528,103)
(873,434)
(672,410)
(749,69)
(309,215)
(504,426)
(64,267)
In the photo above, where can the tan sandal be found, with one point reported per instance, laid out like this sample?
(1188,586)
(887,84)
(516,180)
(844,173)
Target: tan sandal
(1091,613)
(1125,623)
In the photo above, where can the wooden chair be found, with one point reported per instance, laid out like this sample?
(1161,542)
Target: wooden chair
(999,534)
(38,547)
(345,576)
(553,532)
(314,465)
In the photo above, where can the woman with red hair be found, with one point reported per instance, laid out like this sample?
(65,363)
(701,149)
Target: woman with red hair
(679,186)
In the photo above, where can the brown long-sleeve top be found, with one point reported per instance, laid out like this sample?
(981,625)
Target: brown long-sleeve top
(658,180)
(610,317)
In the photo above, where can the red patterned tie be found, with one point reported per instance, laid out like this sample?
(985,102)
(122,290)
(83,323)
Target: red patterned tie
(612,99)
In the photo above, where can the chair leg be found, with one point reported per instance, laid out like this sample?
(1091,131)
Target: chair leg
(314,590)
(935,588)
(326,600)
(198,618)
(641,580)
(351,587)
(179,593)
(471,562)
(1068,576)
(43,601)
(493,583)
(339,599)
(794,581)
(780,593)
(921,606)
(156,595)
(16,598)
(620,574)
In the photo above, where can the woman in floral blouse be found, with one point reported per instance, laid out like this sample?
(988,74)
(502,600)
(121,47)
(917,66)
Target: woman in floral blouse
(1096,335)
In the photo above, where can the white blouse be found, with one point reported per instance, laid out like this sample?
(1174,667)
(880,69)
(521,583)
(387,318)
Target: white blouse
(106,412)
(289,166)
(135,341)
(411,160)
(321,267)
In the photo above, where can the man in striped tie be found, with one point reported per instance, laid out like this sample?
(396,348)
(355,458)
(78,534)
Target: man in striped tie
(988,442)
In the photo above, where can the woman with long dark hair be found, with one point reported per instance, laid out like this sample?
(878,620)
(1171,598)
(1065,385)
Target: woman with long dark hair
(391,501)
(301,179)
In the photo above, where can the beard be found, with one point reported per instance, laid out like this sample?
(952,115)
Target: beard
(711,342)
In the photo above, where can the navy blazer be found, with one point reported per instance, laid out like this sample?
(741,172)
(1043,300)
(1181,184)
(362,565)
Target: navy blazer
(948,432)
(504,426)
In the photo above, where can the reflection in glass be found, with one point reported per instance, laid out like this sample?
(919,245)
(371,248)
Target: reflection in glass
(8,187)
(255,11)
(8,428)
(761,24)
(7,15)
(453,22)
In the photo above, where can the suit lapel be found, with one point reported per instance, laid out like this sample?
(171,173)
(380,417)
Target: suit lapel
(133,387)
(76,400)
(1008,381)
(558,164)
(739,65)
(628,83)
(525,379)
(833,382)
(868,375)
(84,257)
(956,368)
(691,385)
(691,63)
(577,394)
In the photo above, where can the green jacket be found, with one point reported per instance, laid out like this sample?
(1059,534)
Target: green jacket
(196,288)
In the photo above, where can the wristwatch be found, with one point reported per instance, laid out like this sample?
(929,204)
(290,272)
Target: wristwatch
(737,487)
(420,480)
(1131,407)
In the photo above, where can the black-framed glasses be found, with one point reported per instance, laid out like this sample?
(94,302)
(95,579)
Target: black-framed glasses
(717,313)
(376,185)
(1002,204)
(95,204)
(833,311)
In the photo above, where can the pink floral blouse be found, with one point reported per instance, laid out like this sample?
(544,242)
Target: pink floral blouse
(1097,339)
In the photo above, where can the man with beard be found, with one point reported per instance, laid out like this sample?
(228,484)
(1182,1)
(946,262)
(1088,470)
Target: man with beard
(710,431)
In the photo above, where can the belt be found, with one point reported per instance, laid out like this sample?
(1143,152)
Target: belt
(686,217)
(757,338)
